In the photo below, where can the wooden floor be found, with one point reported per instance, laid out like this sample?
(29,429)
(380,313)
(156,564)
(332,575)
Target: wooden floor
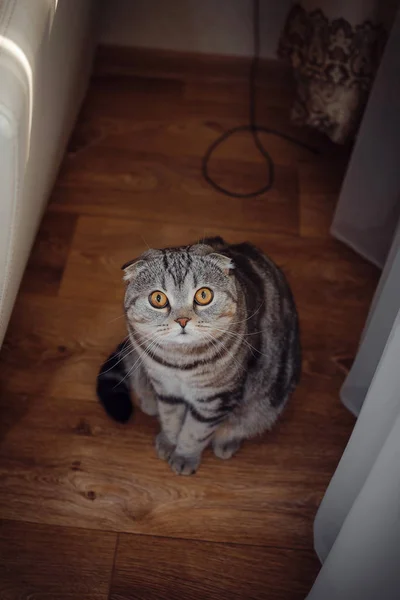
(87,509)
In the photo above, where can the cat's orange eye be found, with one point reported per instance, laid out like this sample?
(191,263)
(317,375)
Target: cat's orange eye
(203,296)
(158,299)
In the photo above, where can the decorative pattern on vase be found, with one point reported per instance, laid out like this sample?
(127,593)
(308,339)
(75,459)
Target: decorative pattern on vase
(334,64)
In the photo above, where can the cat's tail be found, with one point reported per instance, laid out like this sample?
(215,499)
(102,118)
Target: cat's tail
(215,242)
(113,386)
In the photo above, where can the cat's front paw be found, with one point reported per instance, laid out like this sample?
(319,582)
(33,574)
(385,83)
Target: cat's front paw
(184,465)
(164,447)
(226,450)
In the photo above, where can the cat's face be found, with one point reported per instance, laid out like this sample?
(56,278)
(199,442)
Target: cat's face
(183,296)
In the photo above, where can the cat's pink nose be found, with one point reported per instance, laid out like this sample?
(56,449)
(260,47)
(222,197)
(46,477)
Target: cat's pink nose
(183,321)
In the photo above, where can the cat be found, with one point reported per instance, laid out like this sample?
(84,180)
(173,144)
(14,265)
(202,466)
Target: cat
(213,348)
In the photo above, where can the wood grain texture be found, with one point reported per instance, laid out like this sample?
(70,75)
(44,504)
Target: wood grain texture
(90,472)
(188,571)
(51,562)
(56,346)
(131,178)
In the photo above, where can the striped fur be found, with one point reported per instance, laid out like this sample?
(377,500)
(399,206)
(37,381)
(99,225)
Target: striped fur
(226,375)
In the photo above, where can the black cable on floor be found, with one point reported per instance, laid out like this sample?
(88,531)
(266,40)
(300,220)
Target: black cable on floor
(252,127)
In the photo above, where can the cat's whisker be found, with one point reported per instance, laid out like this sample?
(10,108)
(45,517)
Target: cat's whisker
(126,343)
(237,336)
(144,339)
(209,337)
(145,242)
(125,351)
(124,355)
(131,370)
(124,347)
(142,342)
(226,350)
(117,363)
(251,316)
(232,333)
(256,332)
(116,318)
(214,345)
(150,349)
(157,345)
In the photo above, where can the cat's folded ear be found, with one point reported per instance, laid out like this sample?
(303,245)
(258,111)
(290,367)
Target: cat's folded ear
(131,267)
(225,263)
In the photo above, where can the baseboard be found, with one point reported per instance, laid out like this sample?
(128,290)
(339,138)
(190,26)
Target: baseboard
(149,62)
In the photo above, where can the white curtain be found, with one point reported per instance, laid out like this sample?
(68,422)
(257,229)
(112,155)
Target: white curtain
(369,206)
(357,528)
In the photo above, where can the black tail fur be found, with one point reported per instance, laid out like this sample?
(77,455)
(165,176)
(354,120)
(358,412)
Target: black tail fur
(113,386)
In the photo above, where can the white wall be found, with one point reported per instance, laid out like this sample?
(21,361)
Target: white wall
(207,26)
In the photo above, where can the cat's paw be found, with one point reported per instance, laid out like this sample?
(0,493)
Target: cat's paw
(184,465)
(226,450)
(164,447)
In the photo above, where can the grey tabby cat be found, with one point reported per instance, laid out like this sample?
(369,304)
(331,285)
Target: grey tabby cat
(213,348)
